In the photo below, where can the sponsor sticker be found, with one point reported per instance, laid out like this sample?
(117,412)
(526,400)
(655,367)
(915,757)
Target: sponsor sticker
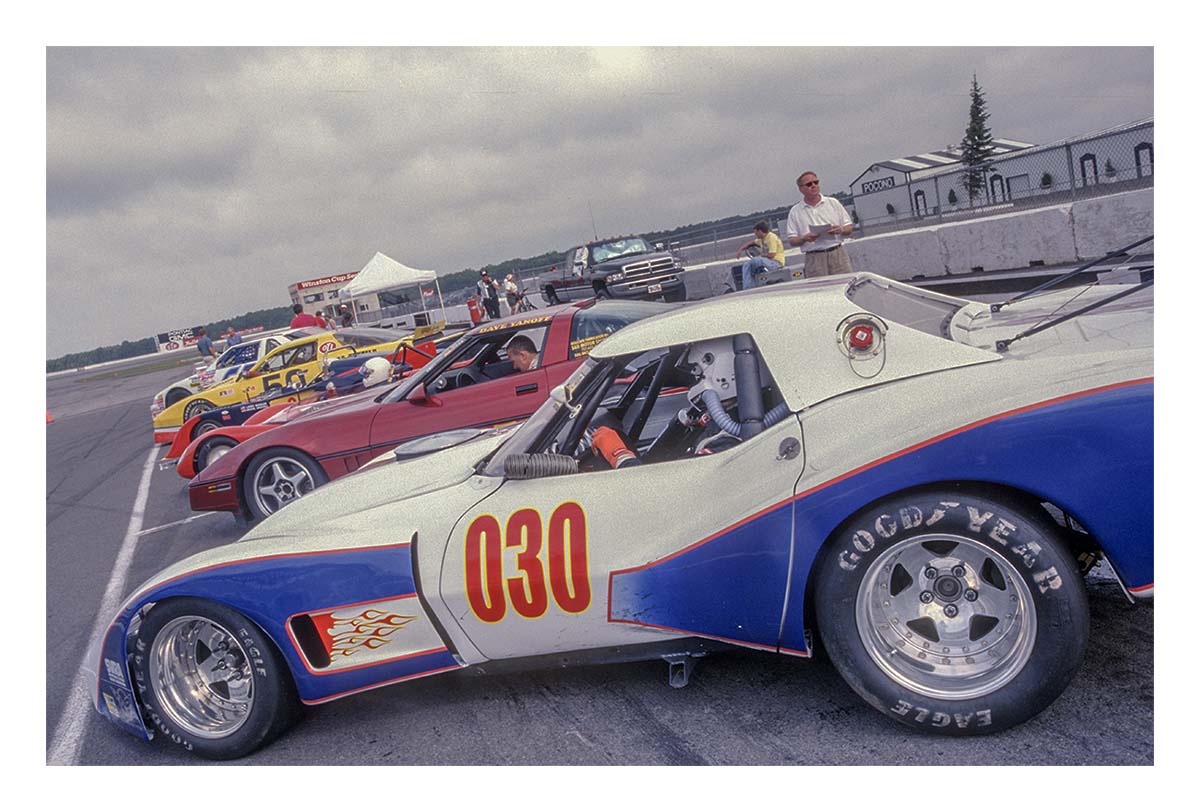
(116,674)
(512,325)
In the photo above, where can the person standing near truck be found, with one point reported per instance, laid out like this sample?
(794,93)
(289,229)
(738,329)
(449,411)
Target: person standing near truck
(770,258)
(819,225)
(489,294)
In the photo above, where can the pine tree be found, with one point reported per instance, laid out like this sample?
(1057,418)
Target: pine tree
(976,145)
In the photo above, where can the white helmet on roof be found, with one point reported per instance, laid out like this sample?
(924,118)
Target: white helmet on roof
(375,371)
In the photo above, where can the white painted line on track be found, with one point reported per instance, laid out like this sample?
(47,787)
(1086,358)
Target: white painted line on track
(180,522)
(68,733)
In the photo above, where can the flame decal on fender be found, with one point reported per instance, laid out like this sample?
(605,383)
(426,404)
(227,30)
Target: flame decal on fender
(368,630)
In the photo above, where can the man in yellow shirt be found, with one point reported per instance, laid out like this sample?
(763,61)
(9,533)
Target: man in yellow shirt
(770,258)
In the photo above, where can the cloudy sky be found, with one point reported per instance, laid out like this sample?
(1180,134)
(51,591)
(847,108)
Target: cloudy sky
(185,185)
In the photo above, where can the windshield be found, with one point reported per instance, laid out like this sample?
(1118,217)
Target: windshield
(603,252)
(561,397)
(426,373)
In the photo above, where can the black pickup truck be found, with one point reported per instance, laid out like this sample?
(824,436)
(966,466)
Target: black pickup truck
(624,268)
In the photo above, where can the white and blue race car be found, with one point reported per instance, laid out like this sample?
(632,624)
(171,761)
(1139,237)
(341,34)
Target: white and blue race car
(919,480)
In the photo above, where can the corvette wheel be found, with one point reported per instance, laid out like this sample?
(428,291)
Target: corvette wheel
(196,407)
(212,450)
(278,477)
(211,680)
(951,612)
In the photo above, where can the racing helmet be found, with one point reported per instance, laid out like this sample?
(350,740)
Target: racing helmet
(375,371)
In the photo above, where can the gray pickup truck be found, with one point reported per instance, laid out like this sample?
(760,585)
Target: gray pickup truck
(625,268)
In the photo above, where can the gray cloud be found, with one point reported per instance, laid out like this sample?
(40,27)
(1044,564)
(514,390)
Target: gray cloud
(184,185)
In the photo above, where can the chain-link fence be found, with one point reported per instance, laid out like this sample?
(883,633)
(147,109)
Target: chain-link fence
(1090,166)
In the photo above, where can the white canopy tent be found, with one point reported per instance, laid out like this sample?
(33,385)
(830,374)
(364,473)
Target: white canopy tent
(384,273)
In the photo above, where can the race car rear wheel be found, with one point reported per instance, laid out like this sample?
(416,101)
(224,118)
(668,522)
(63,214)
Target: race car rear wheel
(212,450)
(211,680)
(279,476)
(196,407)
(952,612)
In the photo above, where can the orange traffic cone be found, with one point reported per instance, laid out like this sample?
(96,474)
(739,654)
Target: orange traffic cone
(49,419)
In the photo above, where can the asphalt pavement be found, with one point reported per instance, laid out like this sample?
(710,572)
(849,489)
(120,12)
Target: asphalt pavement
(741,707)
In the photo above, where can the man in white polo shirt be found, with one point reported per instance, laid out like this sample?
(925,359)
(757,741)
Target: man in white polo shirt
(819,224)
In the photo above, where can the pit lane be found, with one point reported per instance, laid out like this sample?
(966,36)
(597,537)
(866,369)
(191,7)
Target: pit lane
(741,707)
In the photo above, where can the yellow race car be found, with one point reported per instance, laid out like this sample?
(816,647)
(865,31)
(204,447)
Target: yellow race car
(290,366)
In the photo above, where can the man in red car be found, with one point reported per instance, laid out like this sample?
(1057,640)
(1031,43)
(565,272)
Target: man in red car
(522,352)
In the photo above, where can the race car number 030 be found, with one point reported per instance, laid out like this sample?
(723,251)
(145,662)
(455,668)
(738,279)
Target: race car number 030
(488,590)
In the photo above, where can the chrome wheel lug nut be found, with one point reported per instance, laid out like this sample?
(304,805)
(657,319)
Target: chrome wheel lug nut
(930,572)
(971,595)
(926,597)
(958,572)
(951,611)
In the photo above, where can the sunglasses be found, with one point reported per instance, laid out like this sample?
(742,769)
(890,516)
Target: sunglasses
(811,183)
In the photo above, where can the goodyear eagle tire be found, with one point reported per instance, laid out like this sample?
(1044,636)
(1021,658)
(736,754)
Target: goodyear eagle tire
(951,612)
(279,476)
(210,680)
(196,407)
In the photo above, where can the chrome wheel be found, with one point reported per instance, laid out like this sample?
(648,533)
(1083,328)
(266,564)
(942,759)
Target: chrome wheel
(278,481)
(201,676)
(946,616)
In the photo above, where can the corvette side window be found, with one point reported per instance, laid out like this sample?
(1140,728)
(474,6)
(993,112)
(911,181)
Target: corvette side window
(668,404)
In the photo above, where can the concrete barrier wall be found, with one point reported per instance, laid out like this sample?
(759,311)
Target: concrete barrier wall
(1055,235)
(1106,223)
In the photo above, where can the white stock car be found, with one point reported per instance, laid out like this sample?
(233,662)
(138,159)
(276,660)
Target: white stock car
(848,456)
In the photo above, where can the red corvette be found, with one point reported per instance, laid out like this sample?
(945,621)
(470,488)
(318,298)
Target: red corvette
(471,384)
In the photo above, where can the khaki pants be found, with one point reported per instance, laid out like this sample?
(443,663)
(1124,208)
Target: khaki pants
(826,263)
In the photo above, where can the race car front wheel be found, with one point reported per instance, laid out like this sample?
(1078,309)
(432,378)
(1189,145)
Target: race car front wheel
(212,450)
(952,612)
(279,476)
(196,407)
(210,680)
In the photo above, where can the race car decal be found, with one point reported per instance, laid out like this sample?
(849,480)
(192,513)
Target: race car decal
(359,635)
(489,592)
(583,346)
(513,325)
(327,346)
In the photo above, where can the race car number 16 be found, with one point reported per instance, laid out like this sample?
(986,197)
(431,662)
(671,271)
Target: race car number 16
(488,590)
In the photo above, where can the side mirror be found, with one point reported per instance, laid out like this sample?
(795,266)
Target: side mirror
(421,397)
(536,466)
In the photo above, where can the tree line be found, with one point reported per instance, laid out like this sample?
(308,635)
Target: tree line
(279,317)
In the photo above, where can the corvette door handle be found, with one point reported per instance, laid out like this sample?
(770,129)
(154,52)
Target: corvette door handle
(527,388)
